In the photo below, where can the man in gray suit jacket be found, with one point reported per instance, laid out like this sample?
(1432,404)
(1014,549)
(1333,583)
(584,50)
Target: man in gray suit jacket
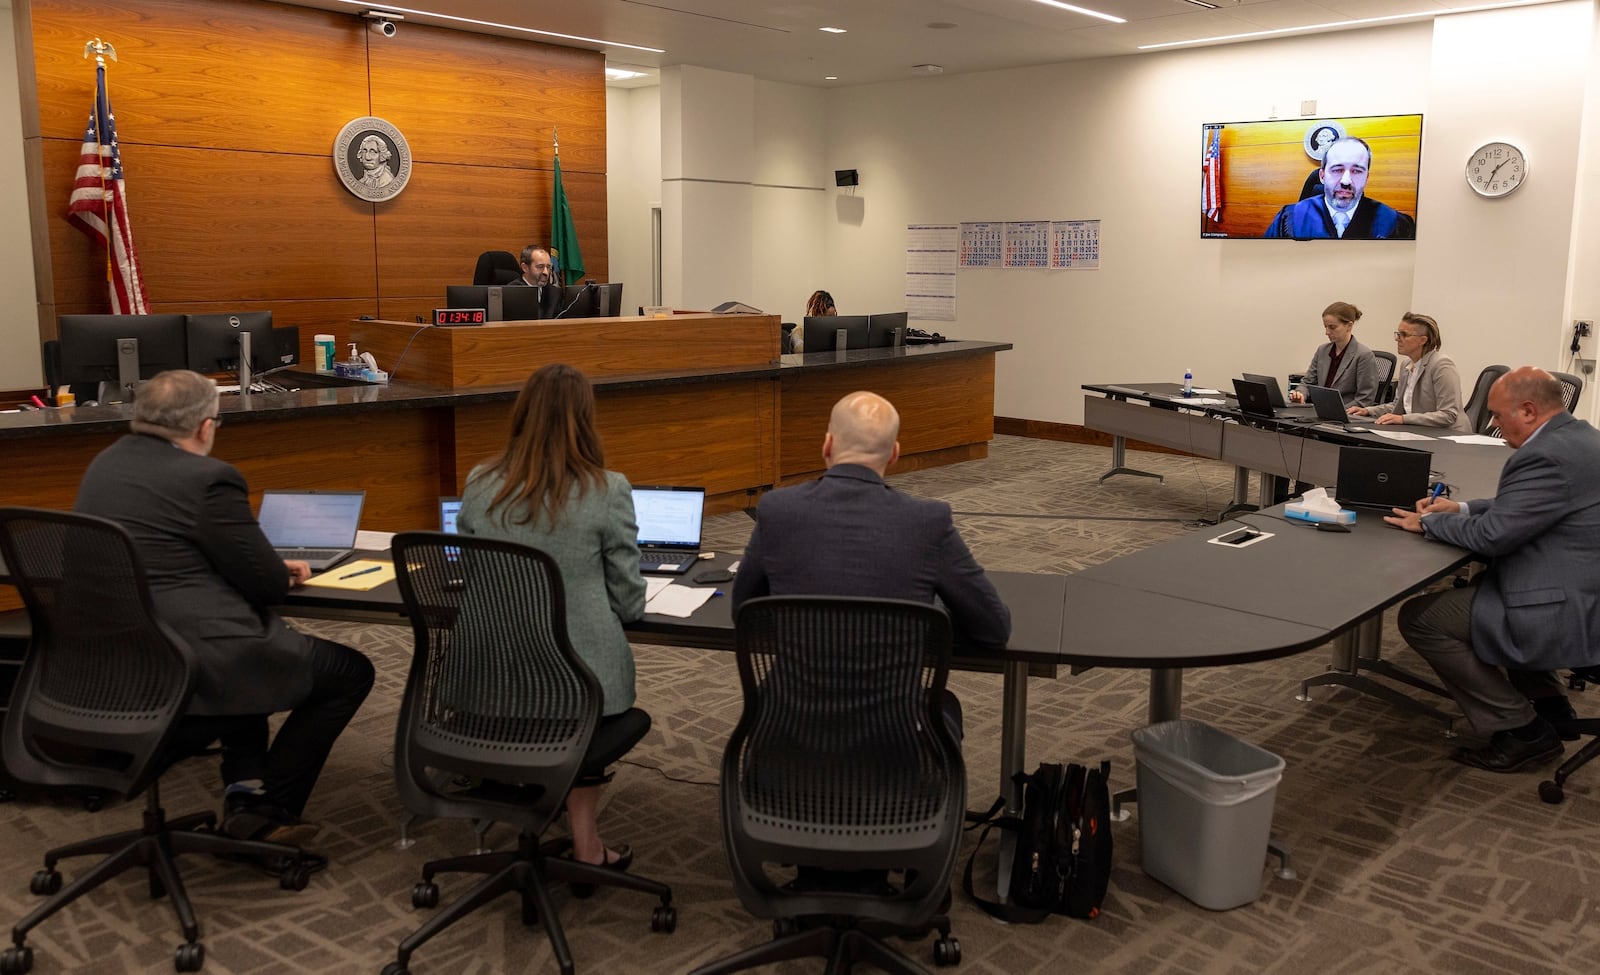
(850,534)
(213,578)
(1537,607)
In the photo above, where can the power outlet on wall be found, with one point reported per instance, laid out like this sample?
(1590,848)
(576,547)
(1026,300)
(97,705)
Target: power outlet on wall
(1308,108)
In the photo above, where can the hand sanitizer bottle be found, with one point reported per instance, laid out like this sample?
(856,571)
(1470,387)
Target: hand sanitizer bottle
(1188,382)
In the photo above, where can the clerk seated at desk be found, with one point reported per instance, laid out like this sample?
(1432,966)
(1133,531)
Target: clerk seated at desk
(1496,644)
(1428,393)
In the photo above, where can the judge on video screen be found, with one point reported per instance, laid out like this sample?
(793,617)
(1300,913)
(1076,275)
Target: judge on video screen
(1342,209)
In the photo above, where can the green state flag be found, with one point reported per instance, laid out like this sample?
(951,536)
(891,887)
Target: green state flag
(564,234)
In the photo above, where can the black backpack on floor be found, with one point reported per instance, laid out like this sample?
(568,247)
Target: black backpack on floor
(1062,858)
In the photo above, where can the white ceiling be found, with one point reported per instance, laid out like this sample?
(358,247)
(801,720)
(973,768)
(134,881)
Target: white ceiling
(778,40)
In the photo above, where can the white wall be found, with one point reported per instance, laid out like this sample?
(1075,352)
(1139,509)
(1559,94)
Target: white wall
(1117,140)
(791,123)
(633,187)
(19,315)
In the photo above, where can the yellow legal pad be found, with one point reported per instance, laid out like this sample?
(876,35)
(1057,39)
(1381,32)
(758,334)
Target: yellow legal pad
(359,576)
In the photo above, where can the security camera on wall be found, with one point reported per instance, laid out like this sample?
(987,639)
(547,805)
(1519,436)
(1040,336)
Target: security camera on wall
(383,22)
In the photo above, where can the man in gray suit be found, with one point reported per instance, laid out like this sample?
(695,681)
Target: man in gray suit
(213,578)
(1537,607)
(850,534)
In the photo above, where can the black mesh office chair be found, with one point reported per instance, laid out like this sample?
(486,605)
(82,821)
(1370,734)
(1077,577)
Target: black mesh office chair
(1478,403)
(97,704)
(497,694)
(842,761)
(1571,389)
(1551,790)
(1386,364)
(496,267)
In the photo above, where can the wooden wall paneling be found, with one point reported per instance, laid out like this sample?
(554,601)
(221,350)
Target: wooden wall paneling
(213,225)
(225,74)
(479,99)
(391,454)
(431,235)
(942,404)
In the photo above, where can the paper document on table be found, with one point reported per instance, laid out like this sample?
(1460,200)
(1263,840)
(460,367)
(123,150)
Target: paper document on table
(1206,392)
(1197,401)
(374,541)
(1478,438)
(679,601)
(654,584)
(361,575)
(1399,435)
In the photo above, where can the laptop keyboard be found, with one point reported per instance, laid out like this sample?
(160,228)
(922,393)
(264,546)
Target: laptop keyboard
(664,558)
(309,554)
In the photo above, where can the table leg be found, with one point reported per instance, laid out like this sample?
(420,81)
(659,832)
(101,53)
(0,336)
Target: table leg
(1166,704)
(1241,495)
(1357,649)
(1013,752)
(1119,457)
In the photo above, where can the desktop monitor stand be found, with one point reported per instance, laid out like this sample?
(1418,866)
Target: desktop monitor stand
(244,364)
(127,370)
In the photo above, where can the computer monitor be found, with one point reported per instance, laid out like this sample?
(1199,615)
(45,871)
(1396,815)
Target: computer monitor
(93,349)
(508,303)
(881,329)
(592,300)
(818,334)
(214,342)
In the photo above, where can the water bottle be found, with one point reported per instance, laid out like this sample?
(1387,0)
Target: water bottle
(1188,382)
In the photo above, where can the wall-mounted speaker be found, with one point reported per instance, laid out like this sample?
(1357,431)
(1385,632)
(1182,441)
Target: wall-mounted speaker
(846,177)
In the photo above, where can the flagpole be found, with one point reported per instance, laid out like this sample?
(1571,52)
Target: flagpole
(100,49)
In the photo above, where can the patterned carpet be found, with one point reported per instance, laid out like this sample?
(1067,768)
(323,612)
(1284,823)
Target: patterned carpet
(1407,861)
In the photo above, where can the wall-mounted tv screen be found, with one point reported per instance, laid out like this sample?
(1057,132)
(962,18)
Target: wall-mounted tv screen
(1311,179)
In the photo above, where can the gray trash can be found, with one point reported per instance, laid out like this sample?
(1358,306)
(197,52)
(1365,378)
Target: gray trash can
(1205,811)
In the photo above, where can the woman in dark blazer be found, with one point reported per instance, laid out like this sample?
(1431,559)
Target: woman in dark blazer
(549,489)
(1344,363)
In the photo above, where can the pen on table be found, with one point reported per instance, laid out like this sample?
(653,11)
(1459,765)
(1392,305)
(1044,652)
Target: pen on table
(359,572)
(1438,489)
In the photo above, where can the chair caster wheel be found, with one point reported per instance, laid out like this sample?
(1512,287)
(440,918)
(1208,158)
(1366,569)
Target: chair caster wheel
(395,968)
(295,876)
(16,961)
(664,919)
(1550,792)
(425,895)
(94,802)
(782,927)
(45,882)
(946,952)
(189,957)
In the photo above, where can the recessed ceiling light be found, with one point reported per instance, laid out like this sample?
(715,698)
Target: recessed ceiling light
(1082,10)
(832,30)
(1202,3)
(831,77)
(1429,14)
(622,74)
(941,25)
(511,27)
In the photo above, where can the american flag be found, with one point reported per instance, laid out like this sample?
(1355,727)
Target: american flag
(99,204)
(1211,176)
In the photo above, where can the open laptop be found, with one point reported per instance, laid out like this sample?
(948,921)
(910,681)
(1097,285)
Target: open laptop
(669,527)
(318,527)
(1382,477)
(1274,391)
(1329,403)
(448,509)
(1254,400)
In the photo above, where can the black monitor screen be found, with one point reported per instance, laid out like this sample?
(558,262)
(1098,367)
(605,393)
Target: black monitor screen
(515,303)
(608,300)
(880,328)
(214,341)
(88,348)
(819,332)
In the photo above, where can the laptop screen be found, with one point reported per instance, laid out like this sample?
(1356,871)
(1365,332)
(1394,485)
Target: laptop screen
(448,509)
(311,519)
(669,516)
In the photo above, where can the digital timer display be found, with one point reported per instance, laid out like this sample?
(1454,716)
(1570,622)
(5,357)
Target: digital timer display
(460,316)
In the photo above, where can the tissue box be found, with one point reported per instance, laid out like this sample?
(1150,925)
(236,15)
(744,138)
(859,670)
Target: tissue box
(1298,511)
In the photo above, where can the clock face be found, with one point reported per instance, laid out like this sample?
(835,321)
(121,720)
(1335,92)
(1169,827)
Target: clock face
(1496,168)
